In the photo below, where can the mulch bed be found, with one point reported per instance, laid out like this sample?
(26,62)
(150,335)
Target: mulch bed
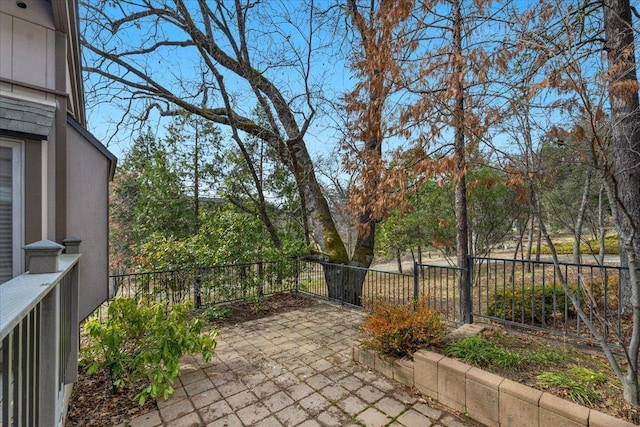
(243,311)
(94,404)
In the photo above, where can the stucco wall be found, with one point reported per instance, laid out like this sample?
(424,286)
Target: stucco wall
(87,217)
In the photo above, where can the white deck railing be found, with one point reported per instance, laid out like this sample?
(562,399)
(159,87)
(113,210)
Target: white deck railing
(39,344)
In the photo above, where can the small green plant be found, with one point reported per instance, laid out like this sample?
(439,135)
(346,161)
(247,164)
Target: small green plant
(578,383)
(480,352)
(531,304)
(142,342)
(544,356)
(587,375)
(400,330)
(217,312)
(259,304)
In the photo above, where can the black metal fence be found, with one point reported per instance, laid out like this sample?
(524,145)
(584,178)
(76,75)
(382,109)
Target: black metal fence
(523,293)
(354,286)
(527,294)
(530,294)
(206,286)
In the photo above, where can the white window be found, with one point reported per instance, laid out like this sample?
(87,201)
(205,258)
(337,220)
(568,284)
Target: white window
(10,209)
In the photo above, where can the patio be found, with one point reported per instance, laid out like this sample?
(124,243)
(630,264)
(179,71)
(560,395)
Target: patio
(292,369)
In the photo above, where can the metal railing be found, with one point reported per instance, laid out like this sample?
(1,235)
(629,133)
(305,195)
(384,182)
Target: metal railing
(355,286)
(440,287)
(519,293)
(39,336)
(522,293)
(529,294)
(207,285)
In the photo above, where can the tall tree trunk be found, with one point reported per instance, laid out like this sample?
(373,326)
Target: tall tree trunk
(601,227)
(625,140)
(625,132)
(323,228)
(577,230)
(530,236)
(196,179)
(460,168)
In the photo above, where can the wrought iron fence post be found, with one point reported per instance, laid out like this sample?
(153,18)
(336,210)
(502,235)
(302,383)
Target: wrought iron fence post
(468,317)
(415,285)
(197,295)
(296,266)
(343,291)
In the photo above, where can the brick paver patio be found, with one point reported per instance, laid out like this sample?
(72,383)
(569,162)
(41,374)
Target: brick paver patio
(291,369)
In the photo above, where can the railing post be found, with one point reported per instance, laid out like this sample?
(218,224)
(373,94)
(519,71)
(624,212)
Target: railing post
(468,317)
(415,285)
(296,266)
(342,285)
(42,257)
(72,246)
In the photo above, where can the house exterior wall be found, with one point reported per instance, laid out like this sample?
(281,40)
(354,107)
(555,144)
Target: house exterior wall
(57,190)
(27,48)
(87,217)
(66,170)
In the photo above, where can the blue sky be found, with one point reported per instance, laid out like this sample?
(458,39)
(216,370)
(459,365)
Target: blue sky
(179,69)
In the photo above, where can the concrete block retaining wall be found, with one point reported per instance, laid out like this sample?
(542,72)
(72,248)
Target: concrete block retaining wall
(485,397)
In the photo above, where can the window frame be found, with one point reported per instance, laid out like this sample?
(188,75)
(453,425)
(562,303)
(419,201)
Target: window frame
(17,206)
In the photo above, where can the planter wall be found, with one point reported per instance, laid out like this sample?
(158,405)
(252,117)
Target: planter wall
(485,397)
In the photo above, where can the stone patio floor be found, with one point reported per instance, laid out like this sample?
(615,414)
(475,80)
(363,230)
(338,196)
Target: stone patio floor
(292,369)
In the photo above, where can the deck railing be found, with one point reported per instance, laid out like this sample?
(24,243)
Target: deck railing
(39,336)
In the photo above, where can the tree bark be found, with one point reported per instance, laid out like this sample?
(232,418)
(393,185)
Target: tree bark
(625,119)
(625,140)
(601,227)
(577,230)
(460,170)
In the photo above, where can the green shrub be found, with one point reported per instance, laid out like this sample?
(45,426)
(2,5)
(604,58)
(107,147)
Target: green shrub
(217,312)
(478,351)
(401,330)
(529,303)
(538,304)
(142,342)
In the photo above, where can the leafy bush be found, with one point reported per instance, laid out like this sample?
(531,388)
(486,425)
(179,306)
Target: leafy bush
(217,312)
(537,304)
(143,341)
(400,330)
(531,304)
(480,352)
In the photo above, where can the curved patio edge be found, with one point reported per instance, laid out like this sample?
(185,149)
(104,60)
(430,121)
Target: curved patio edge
(485,397)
